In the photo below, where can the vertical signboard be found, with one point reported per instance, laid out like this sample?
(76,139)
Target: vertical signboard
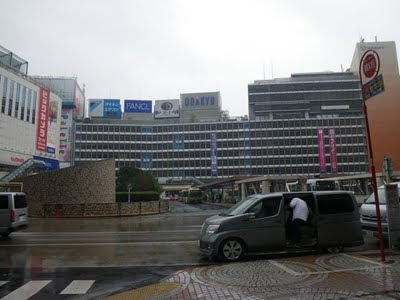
(214,165)
(66,135)
(41,137)
(332,146)
(52,130)
(321,150)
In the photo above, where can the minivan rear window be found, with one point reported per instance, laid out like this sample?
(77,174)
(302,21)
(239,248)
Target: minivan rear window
(20,201)
(3,202)
(335,204)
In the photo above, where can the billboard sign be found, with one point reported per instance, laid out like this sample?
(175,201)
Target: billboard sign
(53,129)
(42,124)
(138,106)
(214,164)
(166,109)
(372,84)
(321,151)
(332,147)
(112,109)
(51,164)
(200,101)
(79,100)
(66,135)
(96,108)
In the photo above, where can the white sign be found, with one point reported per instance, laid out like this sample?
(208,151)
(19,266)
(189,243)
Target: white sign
(96,108)
(166,109)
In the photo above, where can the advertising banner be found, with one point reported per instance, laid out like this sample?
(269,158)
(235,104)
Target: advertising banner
(51,164)
(112,109)
(332,146)
(214,165)
(200,101)
(96,108)
(166,109)
(321,151)
(66,135)
(79,100)
(42,124)
(138,106)
(52,131)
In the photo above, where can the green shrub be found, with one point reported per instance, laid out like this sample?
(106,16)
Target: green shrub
(137,196)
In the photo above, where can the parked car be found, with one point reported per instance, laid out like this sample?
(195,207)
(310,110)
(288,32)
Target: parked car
(369,221)
(259,223)
(13,212)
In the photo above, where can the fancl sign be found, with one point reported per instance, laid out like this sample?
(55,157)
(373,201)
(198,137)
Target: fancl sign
(200,101)
(138,106)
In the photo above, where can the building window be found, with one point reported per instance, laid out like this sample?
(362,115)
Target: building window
(10,99)
(23,103)
(4,98)
(28,112)
(34,107)
(17,99)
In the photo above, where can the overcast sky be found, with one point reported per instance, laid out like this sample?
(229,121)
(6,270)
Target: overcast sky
(159,49)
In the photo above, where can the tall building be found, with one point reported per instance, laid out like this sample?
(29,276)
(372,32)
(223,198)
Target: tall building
(30,117)
(384,108)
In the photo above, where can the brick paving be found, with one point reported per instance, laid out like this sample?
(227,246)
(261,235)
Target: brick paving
(312,277)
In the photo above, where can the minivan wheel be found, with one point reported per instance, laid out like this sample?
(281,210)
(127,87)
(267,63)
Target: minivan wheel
(232,249)
(335,249)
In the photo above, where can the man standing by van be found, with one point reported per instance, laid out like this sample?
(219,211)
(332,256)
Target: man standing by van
(300,215)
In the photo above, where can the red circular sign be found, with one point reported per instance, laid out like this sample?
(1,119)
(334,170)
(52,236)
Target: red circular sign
(369,66)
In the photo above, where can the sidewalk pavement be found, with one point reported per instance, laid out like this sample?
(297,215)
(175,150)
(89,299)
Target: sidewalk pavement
(351,275)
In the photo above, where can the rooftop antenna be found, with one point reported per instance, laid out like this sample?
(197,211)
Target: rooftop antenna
(341,67)
(264,70)
(272,70)
(376,38)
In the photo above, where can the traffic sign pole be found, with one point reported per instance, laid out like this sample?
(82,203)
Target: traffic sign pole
(371,159)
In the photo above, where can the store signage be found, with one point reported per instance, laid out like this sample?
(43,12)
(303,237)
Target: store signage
(332,146)
(199,101)
(41,138)
(138,106)
(112,109)
(372,82)
(66,135)
(321,150)
(166,109)
(51,164)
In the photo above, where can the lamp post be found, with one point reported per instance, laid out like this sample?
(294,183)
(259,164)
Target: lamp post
(129,186)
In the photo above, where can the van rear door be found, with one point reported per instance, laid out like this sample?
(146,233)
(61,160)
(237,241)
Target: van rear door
(20,209)
(5,221)
(338,220)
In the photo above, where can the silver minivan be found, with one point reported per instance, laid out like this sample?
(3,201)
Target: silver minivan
(368,213)
(13,212)
(260,223)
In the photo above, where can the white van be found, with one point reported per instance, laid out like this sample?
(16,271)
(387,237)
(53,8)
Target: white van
(13,212)
(368,212)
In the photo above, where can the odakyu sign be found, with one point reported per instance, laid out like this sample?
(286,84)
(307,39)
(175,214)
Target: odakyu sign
(138,106)
(200,101)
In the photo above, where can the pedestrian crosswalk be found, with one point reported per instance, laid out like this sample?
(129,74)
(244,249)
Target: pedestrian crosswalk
(29,289)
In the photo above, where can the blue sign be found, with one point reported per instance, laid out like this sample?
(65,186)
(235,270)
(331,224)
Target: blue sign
(374,87)
(138,106)
(214,165)
(112,109)
(51,164)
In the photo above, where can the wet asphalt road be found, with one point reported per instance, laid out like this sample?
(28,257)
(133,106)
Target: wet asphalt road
(112,253)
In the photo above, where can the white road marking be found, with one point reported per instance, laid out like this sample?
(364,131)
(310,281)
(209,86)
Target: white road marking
(363,259)
(77,287)
(28,290)
(284,268)
(3,282)
(102,244)
(106,232)
(292,272)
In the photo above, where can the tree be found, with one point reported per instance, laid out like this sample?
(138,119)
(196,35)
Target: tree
(140,180)
(224,115)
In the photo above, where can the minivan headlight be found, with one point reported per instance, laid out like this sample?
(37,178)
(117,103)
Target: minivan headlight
(212,229)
